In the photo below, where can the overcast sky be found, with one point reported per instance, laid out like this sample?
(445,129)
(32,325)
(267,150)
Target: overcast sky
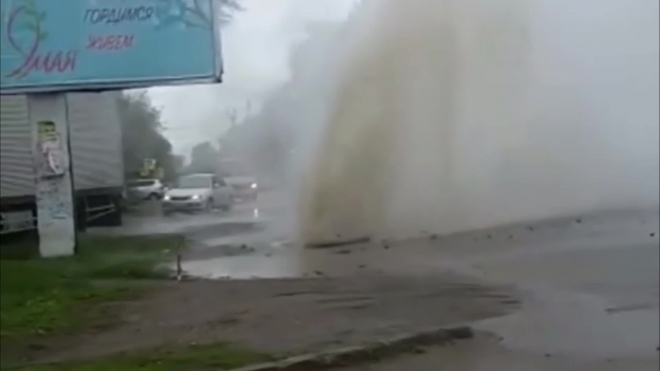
(256,48)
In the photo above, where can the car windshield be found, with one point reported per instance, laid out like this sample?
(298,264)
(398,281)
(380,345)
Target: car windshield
(195,181)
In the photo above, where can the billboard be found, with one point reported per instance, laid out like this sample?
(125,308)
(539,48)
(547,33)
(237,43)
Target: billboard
(49,46)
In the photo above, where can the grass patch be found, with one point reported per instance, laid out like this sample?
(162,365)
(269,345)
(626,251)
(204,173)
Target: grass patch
(191,358)
(58,296)
(41,296)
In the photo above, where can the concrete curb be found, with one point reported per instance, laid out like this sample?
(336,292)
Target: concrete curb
(367,353)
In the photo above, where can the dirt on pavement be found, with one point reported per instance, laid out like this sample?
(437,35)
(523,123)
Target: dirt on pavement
(287,316)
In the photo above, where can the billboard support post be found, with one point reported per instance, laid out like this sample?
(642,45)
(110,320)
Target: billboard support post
(53,174)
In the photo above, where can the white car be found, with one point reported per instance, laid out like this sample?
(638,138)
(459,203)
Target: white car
(198,192)
(146,189)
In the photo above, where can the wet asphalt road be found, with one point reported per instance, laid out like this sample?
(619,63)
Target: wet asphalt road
(591,303)
(591,283)
(591,289)
(485,354)
(208,228)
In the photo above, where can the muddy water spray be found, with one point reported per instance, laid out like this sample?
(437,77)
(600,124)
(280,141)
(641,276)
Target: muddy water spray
(453,114)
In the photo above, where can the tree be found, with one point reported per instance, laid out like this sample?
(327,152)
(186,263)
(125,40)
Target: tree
(203,158)
(225,10)
(141,122)
(179,162)
(141,136)
(267,138)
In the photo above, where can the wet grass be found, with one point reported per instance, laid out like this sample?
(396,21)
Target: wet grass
(44,296)
(47,299)
(192,358)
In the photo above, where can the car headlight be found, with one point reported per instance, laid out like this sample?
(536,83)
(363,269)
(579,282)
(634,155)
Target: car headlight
(196,197)
(254,186)
(166,198)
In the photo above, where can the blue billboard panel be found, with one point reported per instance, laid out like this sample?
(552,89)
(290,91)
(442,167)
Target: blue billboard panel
(51,45)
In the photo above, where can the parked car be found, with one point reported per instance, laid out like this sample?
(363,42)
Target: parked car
(198,192)
(146,189)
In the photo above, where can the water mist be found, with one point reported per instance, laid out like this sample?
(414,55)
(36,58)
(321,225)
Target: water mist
(446,115)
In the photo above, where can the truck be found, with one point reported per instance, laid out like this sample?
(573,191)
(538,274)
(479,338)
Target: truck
(96,161)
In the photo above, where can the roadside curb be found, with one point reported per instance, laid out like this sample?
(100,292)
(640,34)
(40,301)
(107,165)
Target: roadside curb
(362,354)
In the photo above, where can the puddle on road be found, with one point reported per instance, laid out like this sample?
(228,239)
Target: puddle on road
(291,262)
(248,267)
(283,260)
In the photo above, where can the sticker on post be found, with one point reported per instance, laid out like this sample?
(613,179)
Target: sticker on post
(51,157)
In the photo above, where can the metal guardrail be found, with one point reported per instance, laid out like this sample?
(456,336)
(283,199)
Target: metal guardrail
(93,213)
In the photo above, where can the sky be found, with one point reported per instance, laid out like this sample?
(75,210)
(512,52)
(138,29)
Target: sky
(256,48)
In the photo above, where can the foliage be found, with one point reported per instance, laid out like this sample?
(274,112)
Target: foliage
(142,137)
(192,13)
(55,296)
(225,10)
(203,159)
(267,139)
(141,122)
(179,163)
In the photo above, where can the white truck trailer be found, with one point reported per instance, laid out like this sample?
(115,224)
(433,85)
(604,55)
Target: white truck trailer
(96,155)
